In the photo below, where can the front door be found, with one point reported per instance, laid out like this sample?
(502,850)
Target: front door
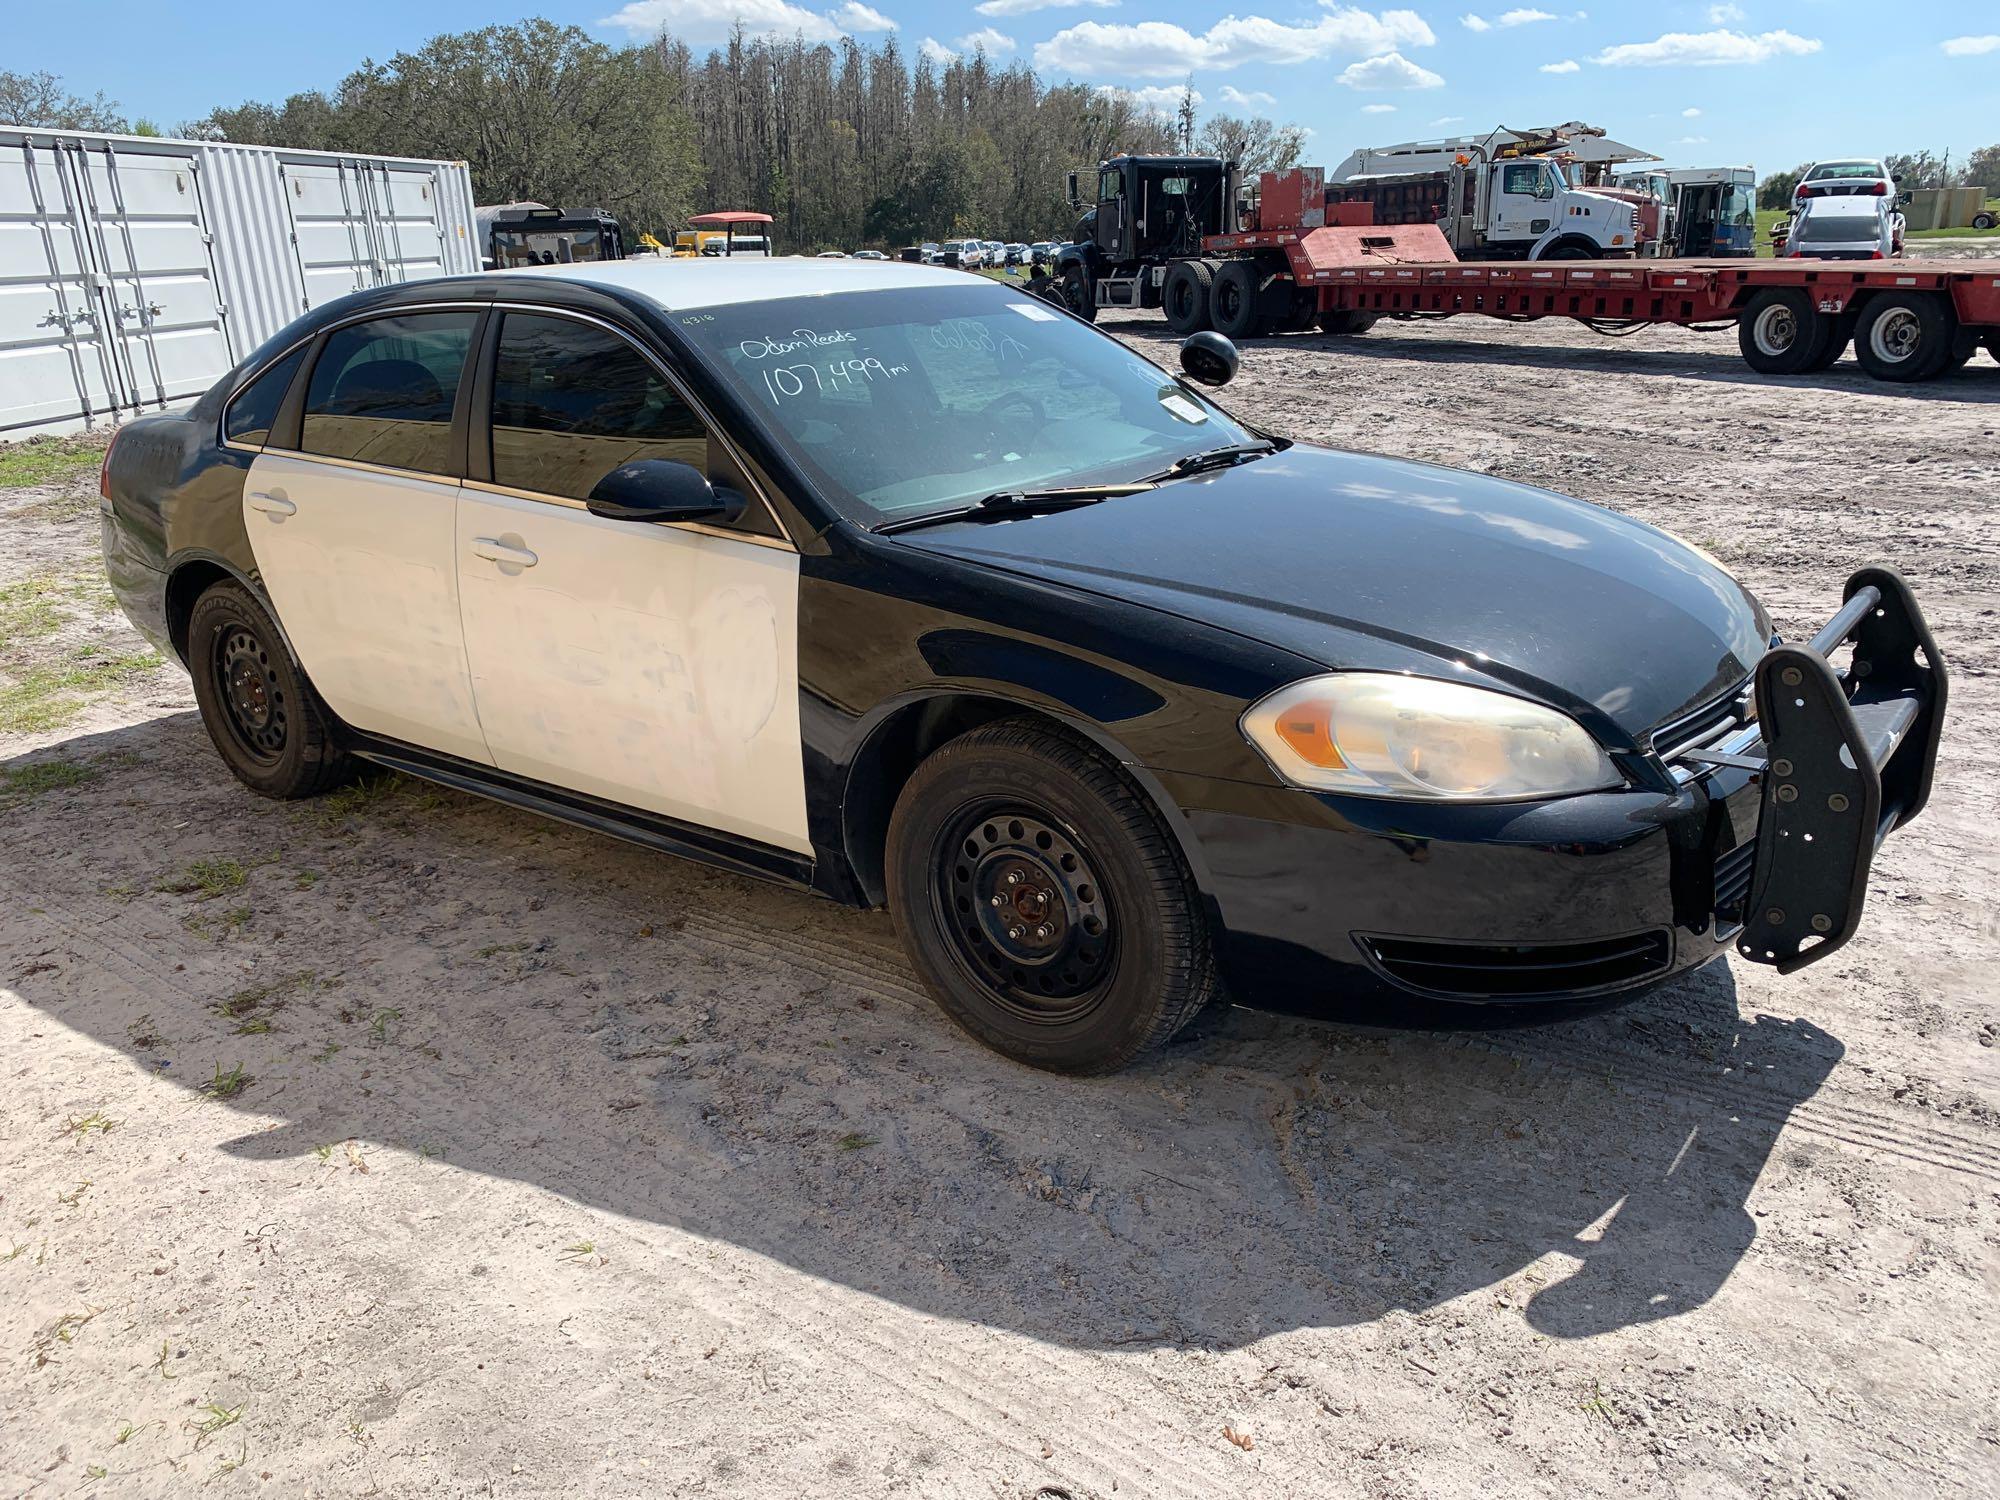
(1524,204)
(355,531)
(655,666)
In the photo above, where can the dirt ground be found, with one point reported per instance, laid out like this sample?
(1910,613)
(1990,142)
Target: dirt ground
(400,1144)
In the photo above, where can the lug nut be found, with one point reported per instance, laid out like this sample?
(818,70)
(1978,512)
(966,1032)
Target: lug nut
(1013,877)
(1788,793)
(1837,802)
(1014,933)
(1775,916)
(1792,676)
(998,900)
(1822,923)
(1044,930)
(1781,767)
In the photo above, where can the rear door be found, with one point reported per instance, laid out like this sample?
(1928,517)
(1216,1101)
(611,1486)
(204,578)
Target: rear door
(354,530)
(655,666)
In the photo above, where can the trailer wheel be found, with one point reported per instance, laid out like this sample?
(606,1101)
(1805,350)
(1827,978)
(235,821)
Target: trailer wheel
(1839,336)
(1993,344)
(1344,324)
(1985,219)
(1905,336)
(1187,295)
(1781,333)
(1232,300)
(1302,315)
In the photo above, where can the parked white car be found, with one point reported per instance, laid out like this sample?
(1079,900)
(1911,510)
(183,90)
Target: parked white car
(1859,176)
(1846,228)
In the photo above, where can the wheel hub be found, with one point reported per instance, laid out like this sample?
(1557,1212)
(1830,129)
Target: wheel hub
(1896,336)
(1026,912)
(1777,329)
(252,700)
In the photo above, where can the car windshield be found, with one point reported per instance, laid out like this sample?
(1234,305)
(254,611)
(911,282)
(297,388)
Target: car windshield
(903,400)
(1821,229)
(1827,169)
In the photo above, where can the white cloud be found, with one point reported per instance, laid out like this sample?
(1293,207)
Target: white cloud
(854,16)
(1970,46)
(1525,17)
(1160,49)
(1245,98)
(1702,49)
(1690,113)
(1443,120)
(1475,23)
(933,50)
(702,22)
(1378,109)
(1567,65)
(987,37)
(1390,71)
(1026,7)
(1159,99)
(1723,15)
(1692,140)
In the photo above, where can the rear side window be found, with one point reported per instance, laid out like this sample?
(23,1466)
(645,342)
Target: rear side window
(382,391)
(571,402)
(255,408)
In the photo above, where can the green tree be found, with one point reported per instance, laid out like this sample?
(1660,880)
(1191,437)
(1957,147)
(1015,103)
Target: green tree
(1775,191)
(39,100)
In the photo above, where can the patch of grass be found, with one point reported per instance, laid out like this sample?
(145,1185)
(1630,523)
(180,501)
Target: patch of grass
(324,1153)
(43,460)
(227,1085)
(19,783)
(334,809)
(495,948)
(252,1009)
(305,880)
(206,879)
(128,1429)
(216,928)
(581,1250)
(160,1361)
(854,1140)
(43,697)
(379,1023)
(96,1120)
(28,609)
(74,1198)
(143,1036)
(213,1418)
(326,1053)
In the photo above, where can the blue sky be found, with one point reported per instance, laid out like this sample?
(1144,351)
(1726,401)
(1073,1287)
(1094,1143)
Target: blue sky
(1768,84)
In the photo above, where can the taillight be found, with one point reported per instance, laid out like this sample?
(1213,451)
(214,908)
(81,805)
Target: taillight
(104,469)
(1877,189)
(1877,255)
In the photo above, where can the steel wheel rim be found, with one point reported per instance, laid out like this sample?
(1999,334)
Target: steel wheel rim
(1019,902)
(1896,337)
(1228,300)
(1777,330)
(252,699)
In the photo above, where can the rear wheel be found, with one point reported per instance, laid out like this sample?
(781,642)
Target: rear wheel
(269,725)
(1346,323)
(1985,219)
(1833,345)
(1905,336)
(1571,251)
(1186,296)
(1043,903)
(1781,333)
(1232,303)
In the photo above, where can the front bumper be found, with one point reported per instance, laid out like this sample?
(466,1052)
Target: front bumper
(1321,900)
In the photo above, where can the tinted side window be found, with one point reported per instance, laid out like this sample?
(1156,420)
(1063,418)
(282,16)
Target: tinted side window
(255,408)
(571,402)
(382,391)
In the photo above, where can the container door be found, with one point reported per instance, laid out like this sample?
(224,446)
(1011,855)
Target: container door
(405,221)
(56,360)
(150,240)
(330,229)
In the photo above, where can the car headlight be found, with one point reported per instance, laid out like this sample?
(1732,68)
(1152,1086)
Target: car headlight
(1380,734)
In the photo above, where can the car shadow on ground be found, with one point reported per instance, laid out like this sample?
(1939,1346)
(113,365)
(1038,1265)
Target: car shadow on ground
(1977,383)
(689,1049)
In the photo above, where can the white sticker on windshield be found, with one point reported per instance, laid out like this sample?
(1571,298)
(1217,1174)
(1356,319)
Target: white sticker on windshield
(1038,314)
(1179,406)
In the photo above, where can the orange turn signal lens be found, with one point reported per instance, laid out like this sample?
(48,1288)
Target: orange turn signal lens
(1307,730)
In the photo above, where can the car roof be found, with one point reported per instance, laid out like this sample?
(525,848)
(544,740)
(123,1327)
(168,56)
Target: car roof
(721,279)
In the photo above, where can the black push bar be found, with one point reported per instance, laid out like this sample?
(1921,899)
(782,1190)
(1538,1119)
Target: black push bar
(1848,757)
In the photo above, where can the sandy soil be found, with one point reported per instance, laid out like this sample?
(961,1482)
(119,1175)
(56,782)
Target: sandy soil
(556,1168)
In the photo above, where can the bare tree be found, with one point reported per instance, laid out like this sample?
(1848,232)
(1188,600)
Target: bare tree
(40,100)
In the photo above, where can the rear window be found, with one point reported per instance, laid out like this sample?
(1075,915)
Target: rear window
(1829,170)
(382,391)
(255,408)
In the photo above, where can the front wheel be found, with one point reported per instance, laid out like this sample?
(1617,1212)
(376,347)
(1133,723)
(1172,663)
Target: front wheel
(264,717)
(1042,902)
(1074,291)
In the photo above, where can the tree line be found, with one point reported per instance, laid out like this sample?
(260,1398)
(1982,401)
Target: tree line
(844,144)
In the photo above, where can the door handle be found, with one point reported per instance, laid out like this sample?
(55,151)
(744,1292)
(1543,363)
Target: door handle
(272,504)
(498,551)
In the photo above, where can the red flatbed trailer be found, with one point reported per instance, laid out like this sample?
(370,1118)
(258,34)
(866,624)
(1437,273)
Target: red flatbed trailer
(1908,319)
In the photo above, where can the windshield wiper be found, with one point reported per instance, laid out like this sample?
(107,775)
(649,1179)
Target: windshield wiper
(1214,458)
(1005,503)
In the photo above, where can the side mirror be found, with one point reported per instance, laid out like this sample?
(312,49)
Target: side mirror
(658,489)
(1071,190)
(1209,358)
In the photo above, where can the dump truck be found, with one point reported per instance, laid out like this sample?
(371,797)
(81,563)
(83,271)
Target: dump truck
(1540,194)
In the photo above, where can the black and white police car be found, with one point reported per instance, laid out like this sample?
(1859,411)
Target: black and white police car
(905,587)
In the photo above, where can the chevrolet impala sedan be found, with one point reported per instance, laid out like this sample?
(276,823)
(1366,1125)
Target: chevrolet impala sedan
(904,587)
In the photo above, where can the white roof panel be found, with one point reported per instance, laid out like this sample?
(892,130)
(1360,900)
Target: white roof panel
(717,280)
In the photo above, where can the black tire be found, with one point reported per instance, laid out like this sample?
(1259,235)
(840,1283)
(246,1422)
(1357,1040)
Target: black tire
(1077,294)
(1346,324)
(1185,299)
(1781,333)
(1985,219)
(271,728)
(1832,346)
(1571,251)
(1303,316)
(1992,342)
(1098,952)
(1905,336)
(1232,301)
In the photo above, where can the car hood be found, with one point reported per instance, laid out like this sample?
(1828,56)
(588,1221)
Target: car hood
(1373,563)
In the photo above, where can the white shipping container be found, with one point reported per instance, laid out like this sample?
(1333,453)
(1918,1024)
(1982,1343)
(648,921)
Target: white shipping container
(135,271)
